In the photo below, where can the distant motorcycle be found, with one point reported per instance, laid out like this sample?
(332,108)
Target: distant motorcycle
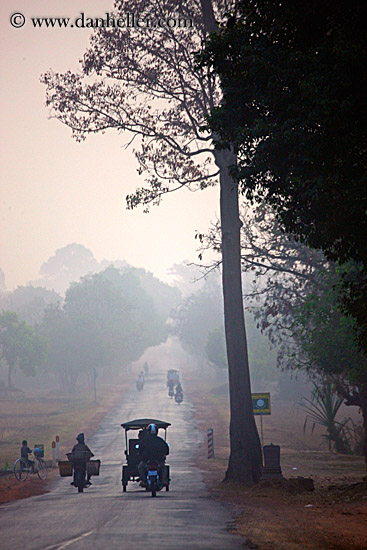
(179,397)
(139,385)
(171,392)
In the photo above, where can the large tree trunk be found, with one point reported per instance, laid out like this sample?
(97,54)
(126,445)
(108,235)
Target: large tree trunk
(364,414)
(245,461)
(356,397)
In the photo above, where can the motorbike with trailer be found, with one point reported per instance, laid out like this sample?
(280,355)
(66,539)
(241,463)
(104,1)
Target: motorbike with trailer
(156,479)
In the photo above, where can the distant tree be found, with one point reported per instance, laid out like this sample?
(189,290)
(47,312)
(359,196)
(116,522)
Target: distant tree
(20,346)
(29,302)
(147,320)
(165,297)
(75,346)
(187,277)
(195,318)
(216,348)
(107,319)
(69,264)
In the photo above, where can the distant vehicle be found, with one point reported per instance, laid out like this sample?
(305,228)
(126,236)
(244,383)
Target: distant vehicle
(139,385)
(179,397)
(130,469)
(171,392)
(173,377)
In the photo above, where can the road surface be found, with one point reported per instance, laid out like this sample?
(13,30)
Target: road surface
(103,517)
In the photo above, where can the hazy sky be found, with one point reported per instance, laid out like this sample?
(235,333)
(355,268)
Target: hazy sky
(55,191)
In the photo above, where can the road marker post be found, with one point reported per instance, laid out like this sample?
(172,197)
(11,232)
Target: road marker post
(210,435)
(57,453)
(54,454)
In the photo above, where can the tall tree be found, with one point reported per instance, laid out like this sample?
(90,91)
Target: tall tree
(144,81)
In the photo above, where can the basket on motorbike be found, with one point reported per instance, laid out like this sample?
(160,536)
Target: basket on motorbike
(79,456)
(93,467)
(65,468)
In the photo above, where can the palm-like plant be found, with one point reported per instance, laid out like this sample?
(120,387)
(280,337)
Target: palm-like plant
(322,409)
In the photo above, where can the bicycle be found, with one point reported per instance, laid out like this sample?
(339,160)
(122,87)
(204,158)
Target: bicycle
(22,469)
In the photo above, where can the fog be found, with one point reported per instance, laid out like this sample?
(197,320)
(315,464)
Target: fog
(55,191)
(107,316)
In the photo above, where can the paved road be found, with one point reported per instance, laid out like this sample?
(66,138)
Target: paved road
(103,517)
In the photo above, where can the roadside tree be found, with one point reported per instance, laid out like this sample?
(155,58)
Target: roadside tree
(144,81)
(294,110)
(20,346)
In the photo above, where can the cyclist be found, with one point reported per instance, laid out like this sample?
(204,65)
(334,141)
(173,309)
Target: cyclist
(24,452)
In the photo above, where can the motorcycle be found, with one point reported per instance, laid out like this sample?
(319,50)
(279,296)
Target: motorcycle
(154,479)
(171,391)
(80,481)
(179,397)
(139,385)
(81,467)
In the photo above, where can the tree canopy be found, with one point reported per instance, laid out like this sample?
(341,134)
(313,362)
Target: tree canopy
(294,108)
(107,319)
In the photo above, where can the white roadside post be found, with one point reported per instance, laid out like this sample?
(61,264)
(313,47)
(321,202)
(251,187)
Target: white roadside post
(57,447)
(210,435)
(54,454)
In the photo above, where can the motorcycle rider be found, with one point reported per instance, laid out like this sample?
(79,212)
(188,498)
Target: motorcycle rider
(140,380)
(82,464)
(179,389)
(152,447)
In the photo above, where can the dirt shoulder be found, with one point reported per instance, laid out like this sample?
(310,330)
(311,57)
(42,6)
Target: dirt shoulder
(276,515)
(67,416)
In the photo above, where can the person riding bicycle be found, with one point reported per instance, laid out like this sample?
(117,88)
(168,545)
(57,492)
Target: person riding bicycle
(24,452)
(81,447)
(152,447)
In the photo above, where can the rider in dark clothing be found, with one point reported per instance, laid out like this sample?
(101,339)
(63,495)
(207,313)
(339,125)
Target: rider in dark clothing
(151,447)
(24,452)
(82,464)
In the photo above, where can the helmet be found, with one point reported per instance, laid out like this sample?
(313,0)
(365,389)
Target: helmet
(152,429)
(80,438)
(24,442)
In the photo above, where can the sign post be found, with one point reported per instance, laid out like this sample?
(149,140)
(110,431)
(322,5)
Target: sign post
(261,407)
